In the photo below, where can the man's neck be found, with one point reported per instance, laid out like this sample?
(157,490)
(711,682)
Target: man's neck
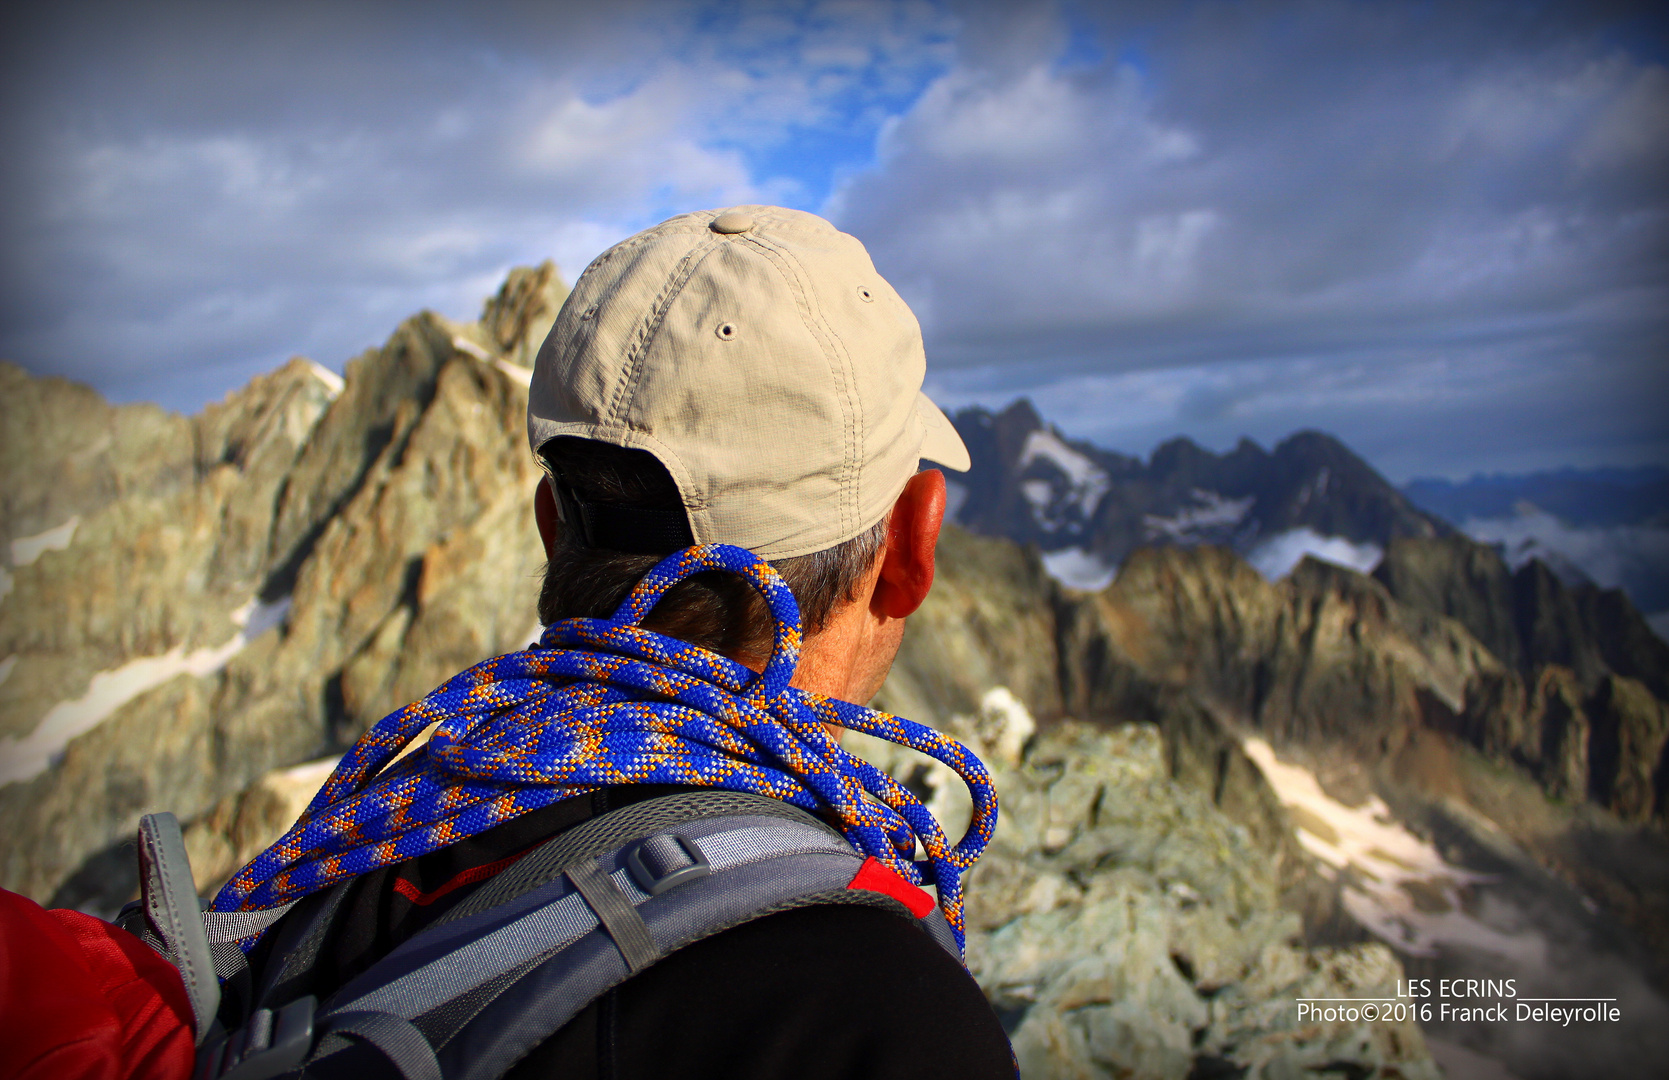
(850,656)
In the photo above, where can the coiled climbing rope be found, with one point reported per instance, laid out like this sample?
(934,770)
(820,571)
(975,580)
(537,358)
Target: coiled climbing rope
(602,702)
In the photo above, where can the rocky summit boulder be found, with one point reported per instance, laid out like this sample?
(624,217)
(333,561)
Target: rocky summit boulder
(1124,926)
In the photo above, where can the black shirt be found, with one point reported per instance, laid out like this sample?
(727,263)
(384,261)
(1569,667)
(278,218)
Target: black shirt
(834,992)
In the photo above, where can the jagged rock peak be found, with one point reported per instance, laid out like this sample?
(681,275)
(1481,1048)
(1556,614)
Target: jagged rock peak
(519,316)
(1183,455)
(267,577)
(1527,617)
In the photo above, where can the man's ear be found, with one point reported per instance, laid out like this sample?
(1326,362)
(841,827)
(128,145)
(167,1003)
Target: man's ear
(912,536)
(544,515)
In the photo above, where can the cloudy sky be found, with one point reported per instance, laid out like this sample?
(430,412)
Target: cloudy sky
(1436,230)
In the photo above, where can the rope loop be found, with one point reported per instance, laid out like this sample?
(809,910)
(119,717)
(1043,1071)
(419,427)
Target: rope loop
(602,702)
(779,598)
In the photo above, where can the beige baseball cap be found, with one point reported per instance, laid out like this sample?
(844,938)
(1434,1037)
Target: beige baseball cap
(759,356)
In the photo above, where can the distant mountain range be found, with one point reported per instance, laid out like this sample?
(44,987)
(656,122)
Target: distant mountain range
(1088,508)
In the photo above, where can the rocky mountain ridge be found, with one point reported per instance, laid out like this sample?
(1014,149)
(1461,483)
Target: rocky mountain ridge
(1125,925)
(375,527)
(1561,666)
(1607,526)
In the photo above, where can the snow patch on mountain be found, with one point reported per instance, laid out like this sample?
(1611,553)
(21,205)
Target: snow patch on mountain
(465,345)
(22,758)
(521,376)
(1396,885)
(1275,557)
(1087,481)
(256,618)
(1212,512)
(26,550)
(1079,569)
(1046,444)
(1040,494)
(333,382)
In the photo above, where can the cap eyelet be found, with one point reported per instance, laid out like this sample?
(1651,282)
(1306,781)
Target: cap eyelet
(865,295)
(726,331)
(589,313)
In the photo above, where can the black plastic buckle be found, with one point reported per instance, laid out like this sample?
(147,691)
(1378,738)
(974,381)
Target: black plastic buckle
(660,848)
(269,1044)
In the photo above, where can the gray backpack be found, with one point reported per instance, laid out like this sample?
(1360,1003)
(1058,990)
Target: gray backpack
(471,994)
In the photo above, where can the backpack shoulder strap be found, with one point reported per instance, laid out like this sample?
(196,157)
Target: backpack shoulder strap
(169,916)
(584,912)
(202,946)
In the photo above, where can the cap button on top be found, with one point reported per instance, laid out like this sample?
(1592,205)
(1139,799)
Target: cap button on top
(732,223)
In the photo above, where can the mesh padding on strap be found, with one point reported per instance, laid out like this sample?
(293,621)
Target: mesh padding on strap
(237,925)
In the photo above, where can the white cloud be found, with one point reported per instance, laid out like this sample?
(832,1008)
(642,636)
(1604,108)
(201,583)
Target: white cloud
(1079,569)
(291,190)
(1276,557)
(1031,200)
(623,150)
(217,245)
(1631,557)
(964,116)
(1167,243)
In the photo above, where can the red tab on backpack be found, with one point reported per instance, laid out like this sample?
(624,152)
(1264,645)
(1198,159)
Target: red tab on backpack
(876,876)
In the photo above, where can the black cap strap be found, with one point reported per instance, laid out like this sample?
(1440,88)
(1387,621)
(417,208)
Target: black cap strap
(633,530)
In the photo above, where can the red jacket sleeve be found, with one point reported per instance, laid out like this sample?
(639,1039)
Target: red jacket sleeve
(81,998)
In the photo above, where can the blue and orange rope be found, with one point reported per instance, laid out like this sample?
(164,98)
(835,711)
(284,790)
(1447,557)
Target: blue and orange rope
(603,702)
